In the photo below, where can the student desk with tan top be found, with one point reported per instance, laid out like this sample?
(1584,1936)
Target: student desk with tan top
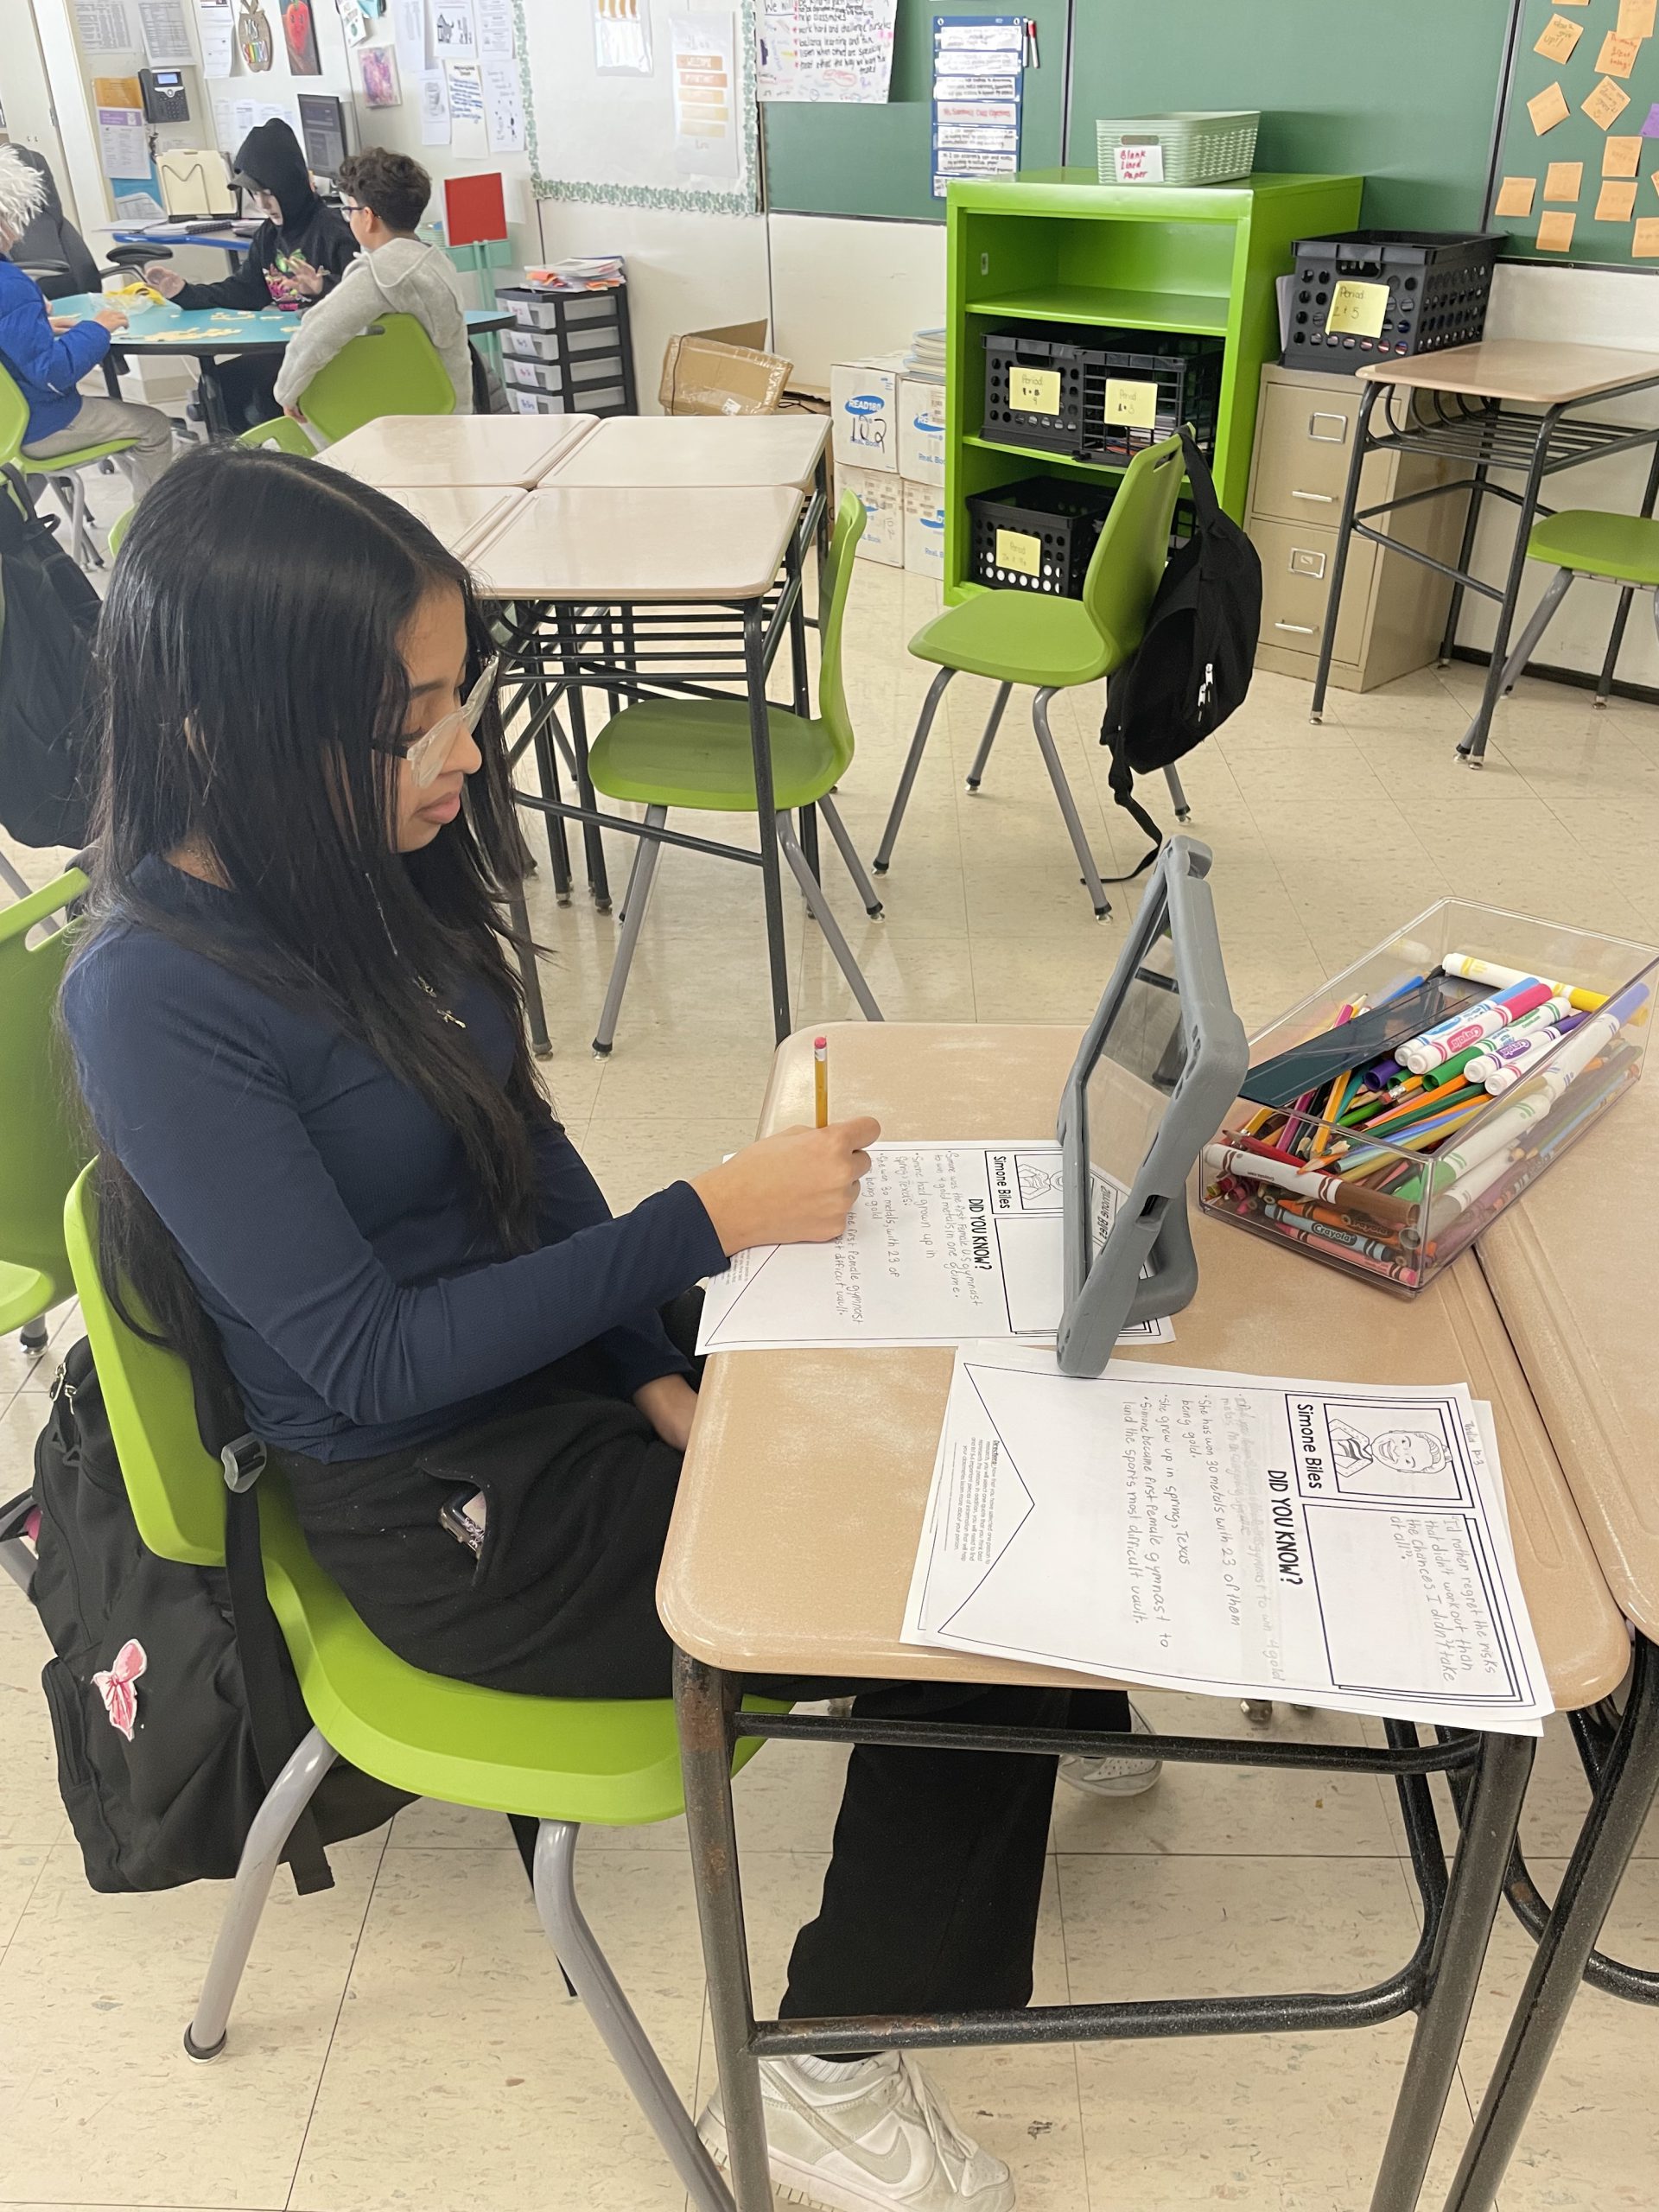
(1571,1267)
(1512,404)
(510,449)
(799,1517)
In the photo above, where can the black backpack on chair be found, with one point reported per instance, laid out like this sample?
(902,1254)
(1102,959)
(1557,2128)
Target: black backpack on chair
(1195,660)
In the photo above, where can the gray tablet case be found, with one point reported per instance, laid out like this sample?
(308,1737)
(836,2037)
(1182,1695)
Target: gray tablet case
(1146,1266)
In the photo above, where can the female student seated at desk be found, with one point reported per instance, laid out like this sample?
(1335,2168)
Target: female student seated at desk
(296,254)
(304,1052)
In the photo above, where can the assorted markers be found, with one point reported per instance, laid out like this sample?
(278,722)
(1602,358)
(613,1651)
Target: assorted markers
(1393,1166)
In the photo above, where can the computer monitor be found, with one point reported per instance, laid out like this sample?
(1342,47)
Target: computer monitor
(322,131)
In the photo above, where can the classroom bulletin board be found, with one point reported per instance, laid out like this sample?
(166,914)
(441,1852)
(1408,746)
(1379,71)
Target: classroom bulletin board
(1576,176)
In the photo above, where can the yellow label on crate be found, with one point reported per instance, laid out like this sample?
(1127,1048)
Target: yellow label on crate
(1128,401)
(1357,310)
(1018,551)
(1035,391)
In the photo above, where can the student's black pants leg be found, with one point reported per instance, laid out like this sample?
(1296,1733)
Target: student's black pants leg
(246,388)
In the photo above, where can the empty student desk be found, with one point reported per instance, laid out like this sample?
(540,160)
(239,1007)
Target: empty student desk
(518,449)
(1566,1264)
(663,450)
(796,1530)
(1508,404)
(458,515)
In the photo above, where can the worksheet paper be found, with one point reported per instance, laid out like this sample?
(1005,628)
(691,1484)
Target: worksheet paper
(1338,1545)
(946,1243)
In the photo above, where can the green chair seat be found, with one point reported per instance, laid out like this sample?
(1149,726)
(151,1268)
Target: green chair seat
(25,1294)
(1623,548)
(41,1145)
(55,464)
(1015,637)
(282,432)
(697,753)
(393,368)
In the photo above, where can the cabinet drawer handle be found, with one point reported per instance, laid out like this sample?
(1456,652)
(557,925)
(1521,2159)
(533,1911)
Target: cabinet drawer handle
(1324,499)
(1324,437)
(1302,629)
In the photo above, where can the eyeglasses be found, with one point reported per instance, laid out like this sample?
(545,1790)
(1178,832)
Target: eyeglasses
(350,207)
(426,753)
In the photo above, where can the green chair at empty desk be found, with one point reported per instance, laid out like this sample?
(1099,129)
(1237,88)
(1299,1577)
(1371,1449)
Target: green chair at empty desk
(1054,643)
(562,1762)
(1621,550)
(393,369)
(41,1150)
(697,753)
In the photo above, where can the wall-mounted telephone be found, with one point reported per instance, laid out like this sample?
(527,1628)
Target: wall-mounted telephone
(165,98)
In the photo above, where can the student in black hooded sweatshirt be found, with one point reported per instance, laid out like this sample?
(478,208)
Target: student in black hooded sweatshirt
(298,254)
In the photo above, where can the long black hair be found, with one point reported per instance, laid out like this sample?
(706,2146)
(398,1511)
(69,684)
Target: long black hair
(250,685)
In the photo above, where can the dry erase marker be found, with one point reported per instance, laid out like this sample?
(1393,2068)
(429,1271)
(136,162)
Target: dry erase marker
(820,1083)
(1488,971)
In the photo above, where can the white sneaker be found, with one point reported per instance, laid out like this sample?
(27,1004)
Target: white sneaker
(882,2139)
(1112,1775)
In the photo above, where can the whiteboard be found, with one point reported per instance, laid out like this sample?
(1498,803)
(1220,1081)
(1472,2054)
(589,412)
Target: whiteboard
(615,138)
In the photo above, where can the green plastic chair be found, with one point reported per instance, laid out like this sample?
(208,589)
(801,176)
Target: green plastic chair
(41,1151)
(696,753)
(1054,643)
(62,470)
(1621,550)
(282,432)
(393,369)
(564,1763)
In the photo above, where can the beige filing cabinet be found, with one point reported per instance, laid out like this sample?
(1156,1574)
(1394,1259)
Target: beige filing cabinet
(1393,610)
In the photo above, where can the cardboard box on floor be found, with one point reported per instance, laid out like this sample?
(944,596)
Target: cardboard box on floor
(722,372)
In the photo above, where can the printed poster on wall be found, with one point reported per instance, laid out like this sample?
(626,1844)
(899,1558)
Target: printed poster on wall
(621,39)
(435,108)
(213,35)
(104,26)
(166,35)
(978,82)
(496,38)
(455,32)
(465,92)
(824,49)
(702,59)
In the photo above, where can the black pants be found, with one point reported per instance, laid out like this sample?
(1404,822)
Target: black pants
(244,390)
(929,1902)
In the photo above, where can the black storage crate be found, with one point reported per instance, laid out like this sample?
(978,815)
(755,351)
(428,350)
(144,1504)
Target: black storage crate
(1036,535)
(1439,283)
(1185,373)
(1056,429)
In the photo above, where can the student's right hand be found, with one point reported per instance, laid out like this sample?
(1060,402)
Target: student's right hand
(795,1188)
(168,282)
(112,318)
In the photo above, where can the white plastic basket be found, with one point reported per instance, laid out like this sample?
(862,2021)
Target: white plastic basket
(1193,146)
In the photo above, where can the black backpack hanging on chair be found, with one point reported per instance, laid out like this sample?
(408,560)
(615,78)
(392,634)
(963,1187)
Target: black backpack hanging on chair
(1195,660)
(48,612)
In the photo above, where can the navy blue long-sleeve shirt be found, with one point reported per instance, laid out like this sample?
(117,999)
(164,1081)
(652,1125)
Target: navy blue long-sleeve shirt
(326,1215)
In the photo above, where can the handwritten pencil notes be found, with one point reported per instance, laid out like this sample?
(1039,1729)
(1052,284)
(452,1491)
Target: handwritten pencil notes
(1556,232)
(1615,202)
(1618,55)
(1606,104)
(1340,1546)
(1558,38)
(1547,108)
(1645,245)
(947,1244)
(1621,156)
(1563,179)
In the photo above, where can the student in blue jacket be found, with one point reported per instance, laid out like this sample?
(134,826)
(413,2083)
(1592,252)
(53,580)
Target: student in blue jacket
(47,355)
(302,1045)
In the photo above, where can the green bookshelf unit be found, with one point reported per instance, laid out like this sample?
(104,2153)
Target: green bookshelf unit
(1055,248)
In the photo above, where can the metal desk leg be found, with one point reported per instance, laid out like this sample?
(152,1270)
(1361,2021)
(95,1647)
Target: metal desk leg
(1626,594)
(702,1698)
(801,698)
(547,771)
(1344,539)
(1472,746)
(535,1013)
(1611,1830)
(593,843)
(754,676)
(1465,554)
(1465,1929)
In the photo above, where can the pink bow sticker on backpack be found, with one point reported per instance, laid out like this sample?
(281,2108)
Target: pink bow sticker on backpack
(115,1686)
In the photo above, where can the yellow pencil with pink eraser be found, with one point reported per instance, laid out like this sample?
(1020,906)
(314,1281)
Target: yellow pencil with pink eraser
(820,1083)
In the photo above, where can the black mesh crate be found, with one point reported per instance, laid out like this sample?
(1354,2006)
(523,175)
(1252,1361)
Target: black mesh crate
(1036,535)
(1033,391)
(1437,283)
(1138,392)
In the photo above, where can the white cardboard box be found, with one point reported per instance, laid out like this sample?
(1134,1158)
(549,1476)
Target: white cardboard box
(882,497)
(864,412)
(924,530)
(921,431)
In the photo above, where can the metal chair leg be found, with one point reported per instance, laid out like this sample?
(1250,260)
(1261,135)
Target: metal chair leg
(849,852)
(818,906)
(289,1794)
(32,1335)
(586,1965)
(525,946)
(990,738)
(635,900)
(17,884)
(913,762)
(1068,804)
(1526,644)
(1183,812)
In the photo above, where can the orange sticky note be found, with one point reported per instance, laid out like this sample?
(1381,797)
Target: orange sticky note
(1514,196)
(1618,55)
(1563,179)
(1616,203)
(1559,37)
(1645,247)
(1621,156)
(1636,18)
(1547,108)
(1606,104)
(1556,232)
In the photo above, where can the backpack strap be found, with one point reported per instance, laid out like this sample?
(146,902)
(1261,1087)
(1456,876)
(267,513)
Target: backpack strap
(224,1427)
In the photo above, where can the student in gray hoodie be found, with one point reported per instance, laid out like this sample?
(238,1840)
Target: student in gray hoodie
(383,196)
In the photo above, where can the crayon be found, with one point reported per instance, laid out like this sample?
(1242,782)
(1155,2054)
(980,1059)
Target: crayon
(1474,971)
(1400,1271)
(1348,1239)
(1251,1168)
(1436,1046)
